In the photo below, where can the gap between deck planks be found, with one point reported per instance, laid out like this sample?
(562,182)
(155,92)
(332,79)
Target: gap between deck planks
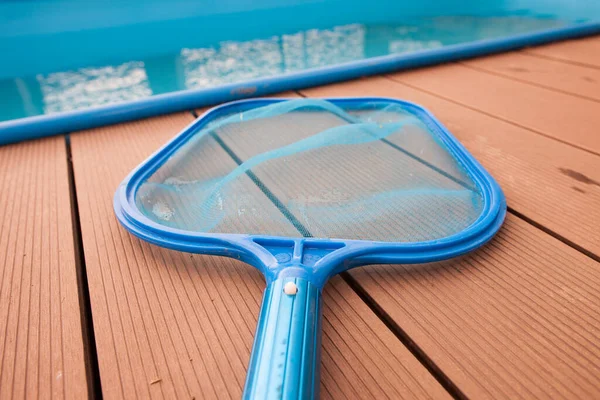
(557,115)
(41,346)
(576,80)
(171,324)
(520,317)
(584,51)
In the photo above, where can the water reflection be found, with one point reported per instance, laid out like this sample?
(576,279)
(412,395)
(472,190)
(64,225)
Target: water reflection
(338,45)
(89,87)
(230,62)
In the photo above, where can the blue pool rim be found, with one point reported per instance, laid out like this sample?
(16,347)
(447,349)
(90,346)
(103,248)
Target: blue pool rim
(254,249)
(46,125)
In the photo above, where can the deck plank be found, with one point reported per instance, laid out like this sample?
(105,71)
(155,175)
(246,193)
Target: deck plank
(552,74)
(520,317)
(170,324)
(584,51)
(41,353)
(567,118)
(539,176)
(516,319)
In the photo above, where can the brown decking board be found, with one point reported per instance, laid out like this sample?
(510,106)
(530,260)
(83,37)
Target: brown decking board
(179,325)
(584,51)
(41,342)
(516,319)
(568,118)
(572,79)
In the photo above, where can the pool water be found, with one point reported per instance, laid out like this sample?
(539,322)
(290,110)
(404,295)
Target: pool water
(83,84)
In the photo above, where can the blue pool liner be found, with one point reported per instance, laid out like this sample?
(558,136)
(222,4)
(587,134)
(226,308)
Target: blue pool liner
(52,124)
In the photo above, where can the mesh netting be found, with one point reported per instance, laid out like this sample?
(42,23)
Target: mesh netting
(310,168)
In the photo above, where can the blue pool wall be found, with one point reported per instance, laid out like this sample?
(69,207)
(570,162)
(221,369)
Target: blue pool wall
(46,36)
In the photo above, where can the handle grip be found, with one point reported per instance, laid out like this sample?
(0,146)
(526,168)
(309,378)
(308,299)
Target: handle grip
(285,358)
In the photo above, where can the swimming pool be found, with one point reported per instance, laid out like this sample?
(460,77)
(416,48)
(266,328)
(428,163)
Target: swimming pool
(71,65)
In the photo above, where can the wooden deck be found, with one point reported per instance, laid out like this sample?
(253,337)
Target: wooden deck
(86,308)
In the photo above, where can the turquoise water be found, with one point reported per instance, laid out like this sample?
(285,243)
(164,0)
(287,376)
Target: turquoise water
(88,82)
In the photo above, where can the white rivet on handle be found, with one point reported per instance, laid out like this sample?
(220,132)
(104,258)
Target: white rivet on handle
(290,288)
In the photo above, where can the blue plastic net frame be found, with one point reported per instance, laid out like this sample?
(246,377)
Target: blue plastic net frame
(321,258)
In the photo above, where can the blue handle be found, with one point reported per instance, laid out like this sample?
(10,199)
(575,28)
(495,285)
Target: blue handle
(285,358)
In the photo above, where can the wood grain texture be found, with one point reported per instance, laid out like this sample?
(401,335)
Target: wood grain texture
(41,345)
(550,182)
(519,318)
(584,51)
(170,324)
(552,74)
(567,118)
